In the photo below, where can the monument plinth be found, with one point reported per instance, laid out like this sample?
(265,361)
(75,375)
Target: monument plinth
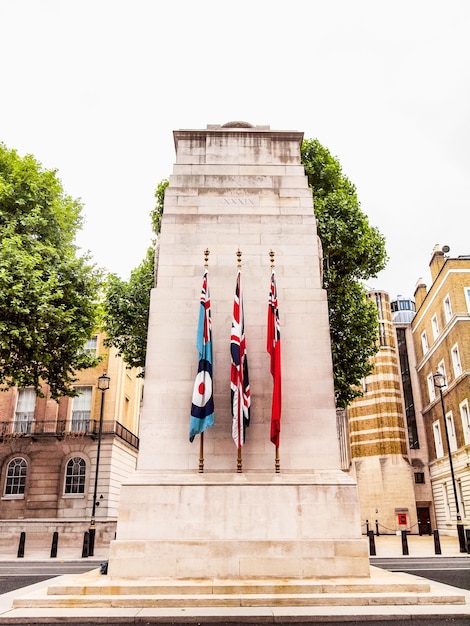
(239,187)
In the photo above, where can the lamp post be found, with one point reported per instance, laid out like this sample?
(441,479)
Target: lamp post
(103,385)
(440,383)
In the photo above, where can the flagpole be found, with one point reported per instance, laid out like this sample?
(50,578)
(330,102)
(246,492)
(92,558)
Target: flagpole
(277,459)
(240,401)
(201,438)
(201,453)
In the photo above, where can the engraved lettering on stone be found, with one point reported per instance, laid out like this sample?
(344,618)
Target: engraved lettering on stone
(240,201)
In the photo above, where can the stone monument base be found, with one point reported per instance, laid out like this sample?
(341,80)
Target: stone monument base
(239,526)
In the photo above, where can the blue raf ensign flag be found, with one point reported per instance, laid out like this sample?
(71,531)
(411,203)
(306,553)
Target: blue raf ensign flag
(202,407)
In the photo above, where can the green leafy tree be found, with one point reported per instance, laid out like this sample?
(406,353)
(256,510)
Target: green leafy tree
(126,311)
(353,251)
(48,294)
(127,303)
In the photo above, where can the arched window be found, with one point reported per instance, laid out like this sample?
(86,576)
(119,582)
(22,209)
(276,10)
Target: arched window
(16,477)
(75,473)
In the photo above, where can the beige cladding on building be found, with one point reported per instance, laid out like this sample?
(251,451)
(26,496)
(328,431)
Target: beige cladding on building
(378,433)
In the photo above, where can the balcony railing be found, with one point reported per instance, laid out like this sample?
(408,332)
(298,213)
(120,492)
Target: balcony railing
(71,428)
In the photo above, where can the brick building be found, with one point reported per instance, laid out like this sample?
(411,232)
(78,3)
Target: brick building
(441,334)
(48,453)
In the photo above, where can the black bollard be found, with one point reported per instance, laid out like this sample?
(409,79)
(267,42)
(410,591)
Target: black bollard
(404,543)
(371,543)
(377,527)
(55,541)
(437,542)
(86,544)
(467,538)
(20,554)
(367,527)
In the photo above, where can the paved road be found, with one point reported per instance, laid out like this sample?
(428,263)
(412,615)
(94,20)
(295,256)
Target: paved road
(19,574)
(454,571)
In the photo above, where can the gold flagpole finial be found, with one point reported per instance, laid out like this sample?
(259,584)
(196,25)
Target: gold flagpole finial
(271,256)
(239,259)
(206,257)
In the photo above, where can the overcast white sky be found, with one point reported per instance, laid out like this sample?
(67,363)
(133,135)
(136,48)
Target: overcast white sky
(95,88)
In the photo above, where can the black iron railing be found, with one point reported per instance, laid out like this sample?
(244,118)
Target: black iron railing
(61,429)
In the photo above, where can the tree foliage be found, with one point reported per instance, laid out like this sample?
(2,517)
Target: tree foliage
(127,303)
(48,294)
(157,212)
(353,251)
(126,310)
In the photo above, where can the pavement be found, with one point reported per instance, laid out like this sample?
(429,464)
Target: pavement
(387,546)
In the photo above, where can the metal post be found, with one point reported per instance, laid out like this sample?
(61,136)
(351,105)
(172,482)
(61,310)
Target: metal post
(86,544)
(20,553)
(437,542)
(460,529)
(103,385)
(55,541)
(404,543)
(371,543)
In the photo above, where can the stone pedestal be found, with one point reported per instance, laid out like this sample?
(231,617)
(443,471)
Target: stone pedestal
(239,187)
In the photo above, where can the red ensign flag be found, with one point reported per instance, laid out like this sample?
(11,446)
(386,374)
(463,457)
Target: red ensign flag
(273,346)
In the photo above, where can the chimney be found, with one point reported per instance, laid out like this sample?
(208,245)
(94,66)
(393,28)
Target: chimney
(420,293)
(437,261)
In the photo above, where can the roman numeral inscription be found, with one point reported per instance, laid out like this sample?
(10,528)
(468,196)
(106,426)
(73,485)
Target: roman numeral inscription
(244,201)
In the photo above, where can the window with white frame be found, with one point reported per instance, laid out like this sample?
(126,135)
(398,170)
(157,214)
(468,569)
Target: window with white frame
(75,474)
(445,494)
(456,360)
(431,388)
(91,346)
(451,431)
(81,410)
(24,413)
(461,499)
(467,297)
(424,342)
(447,308)
(442,369)
(465,415)
(15,481)
(436,429)
(435,326)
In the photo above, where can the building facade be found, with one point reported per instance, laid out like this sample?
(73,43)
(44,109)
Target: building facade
(386,457)
(49,451)
(441,336)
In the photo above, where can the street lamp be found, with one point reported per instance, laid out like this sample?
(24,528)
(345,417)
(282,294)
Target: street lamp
(440,383)
(103,385)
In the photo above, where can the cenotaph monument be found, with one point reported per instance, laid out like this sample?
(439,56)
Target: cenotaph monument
(238,199)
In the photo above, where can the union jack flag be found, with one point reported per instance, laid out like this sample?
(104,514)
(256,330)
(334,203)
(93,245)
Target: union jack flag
(239,381)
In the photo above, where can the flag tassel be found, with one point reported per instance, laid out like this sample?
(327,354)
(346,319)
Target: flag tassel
(239,461)
(277,461)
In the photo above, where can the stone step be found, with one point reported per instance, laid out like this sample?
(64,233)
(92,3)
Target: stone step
(237,588)
(94,591)
(238,600)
